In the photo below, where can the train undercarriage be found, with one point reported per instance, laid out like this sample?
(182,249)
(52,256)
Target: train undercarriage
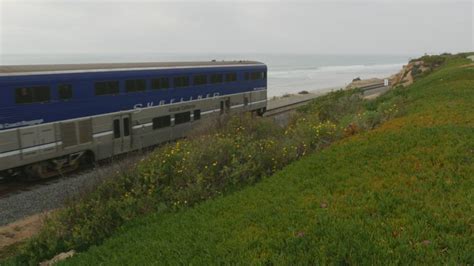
(50,168)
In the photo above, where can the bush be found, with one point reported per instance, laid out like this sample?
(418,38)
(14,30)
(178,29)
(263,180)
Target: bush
(433,61)
(335,105)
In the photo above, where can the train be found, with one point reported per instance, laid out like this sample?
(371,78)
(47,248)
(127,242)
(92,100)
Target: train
(54,118)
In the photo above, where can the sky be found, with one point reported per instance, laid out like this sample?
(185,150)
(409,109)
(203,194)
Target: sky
(316,27)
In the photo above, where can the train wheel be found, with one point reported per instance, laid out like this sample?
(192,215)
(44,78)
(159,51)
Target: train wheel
(39,171)
(58,166)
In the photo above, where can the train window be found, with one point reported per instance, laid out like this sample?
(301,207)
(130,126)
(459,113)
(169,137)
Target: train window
(126,127)
(181,118)
(255,75)
(35,94)
(116,128)
(106,88)
(160,83)
(230,77)
(161,122)
(200,80)
(180,82)
(197,114)
(247,75)
(24,95)
(65,91)
(134,85)
(216,78)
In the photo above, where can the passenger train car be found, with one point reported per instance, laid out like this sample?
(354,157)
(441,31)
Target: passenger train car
(54,117)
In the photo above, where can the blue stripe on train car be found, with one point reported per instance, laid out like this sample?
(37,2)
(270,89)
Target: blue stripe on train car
(84,102)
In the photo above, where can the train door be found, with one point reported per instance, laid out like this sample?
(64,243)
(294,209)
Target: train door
(122,134)
(225,105)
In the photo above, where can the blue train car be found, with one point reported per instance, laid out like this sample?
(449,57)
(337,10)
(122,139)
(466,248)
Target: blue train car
(52,117)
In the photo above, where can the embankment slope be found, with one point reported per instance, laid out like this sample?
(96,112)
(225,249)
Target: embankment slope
(401,193)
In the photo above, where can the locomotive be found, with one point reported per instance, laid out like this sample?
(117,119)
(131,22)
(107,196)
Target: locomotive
(53,118)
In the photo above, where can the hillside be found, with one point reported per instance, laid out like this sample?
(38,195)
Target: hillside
(402,192)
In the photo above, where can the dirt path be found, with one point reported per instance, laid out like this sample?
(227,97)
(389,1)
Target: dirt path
(21,230)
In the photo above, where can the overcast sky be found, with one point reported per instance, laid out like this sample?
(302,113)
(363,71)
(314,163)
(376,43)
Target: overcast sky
(349,27)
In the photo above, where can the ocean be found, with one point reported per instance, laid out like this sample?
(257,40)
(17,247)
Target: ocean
(287,73)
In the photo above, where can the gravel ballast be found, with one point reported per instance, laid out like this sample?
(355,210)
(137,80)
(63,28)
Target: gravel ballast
(54,193)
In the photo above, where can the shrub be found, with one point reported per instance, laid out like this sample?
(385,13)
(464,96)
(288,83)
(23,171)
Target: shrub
(433,61)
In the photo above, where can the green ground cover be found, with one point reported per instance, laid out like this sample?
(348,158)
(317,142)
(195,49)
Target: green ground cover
(402,193)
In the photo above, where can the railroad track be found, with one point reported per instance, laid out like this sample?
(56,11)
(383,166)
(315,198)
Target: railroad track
(292,106)
(286,108)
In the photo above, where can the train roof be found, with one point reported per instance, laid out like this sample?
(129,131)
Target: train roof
(6,70)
